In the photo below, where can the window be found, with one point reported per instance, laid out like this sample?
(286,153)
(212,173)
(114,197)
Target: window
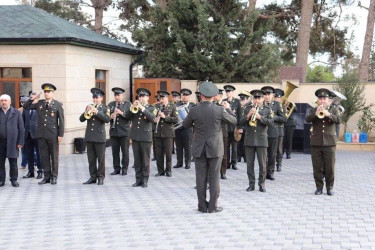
(15,82)
(100,82)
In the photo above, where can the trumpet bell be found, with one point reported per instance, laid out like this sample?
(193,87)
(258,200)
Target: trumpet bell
(321,115)
(253,123)
(134,110)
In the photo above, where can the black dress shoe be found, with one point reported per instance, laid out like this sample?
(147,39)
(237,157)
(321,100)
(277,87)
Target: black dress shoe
(159,174)
(223,176)
(217,210)
(115,172)
(239,159)
(15,184)
(40,175)
(262,189)
(193,160)
(153,159)
(44,181)
(177,166)
(250,188)
(100,182)
(234,166)
(288,156)
(90,181)
(270,177)
(29,174)
(228,166)
(330,192)
(124,171)
(278,168)
(2,183)
(318,192)
(53,181)
(137,184)
(203,210)
(187,167)
(168,174)
(144,185)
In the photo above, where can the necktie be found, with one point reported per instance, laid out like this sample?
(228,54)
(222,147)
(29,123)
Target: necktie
(46,105)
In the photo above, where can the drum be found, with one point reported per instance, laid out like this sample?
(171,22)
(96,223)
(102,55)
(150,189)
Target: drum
(182,113)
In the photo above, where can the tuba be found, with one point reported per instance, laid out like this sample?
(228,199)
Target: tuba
(288,90)
(89,113)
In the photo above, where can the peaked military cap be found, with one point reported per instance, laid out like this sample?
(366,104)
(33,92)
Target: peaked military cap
(322,92)
(221,91)
(175,93)
(143,91)
(186,92)
(268,89)
(208,89)
(279,93)
(229,88)
(118,90)
(96,92)
(48,87)
(163,93)
(258,93)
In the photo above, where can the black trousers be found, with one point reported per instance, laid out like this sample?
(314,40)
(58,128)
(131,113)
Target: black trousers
(183,145)
(288,139)
(279,154)
(231,149)
(241,148)
(96,154)
(250,160)
(117,144)
(223,169)
(324,156)
(141,151)
(13,170)
(31,145)
(49,157)
(163,147)
(271,155)
(207,169)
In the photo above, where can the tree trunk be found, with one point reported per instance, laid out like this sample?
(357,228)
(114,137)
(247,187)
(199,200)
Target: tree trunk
(99,6)
(303,41)
(364,65)
(250,8)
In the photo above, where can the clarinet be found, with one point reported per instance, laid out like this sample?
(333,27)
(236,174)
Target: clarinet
(115,120)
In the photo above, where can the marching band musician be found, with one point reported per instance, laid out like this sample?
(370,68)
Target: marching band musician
(323,140)
(50,131)
(119,132)
(280,131)
(256,118)
(183,135)
(164,133)
(96,115)
(155,105)
(176,97)
(279,117)
(244,98)
(232,143)
(142,116)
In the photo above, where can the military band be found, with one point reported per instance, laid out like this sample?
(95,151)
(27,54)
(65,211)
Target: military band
(264,126)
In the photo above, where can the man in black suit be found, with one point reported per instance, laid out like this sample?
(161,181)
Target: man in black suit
(207,145)
(30,118)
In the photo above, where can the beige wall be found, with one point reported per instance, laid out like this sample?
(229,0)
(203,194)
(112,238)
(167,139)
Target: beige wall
(72,70)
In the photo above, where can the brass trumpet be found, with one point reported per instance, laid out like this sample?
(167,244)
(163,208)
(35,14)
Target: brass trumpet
(321,113)
(135,107)
(253,119)
(89,113)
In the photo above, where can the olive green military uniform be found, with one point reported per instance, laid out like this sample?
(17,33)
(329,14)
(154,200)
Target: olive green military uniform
(95,138)
(141,136)
(50,125)
(279,118)
(164,134)
(323,146)
(280,134)
(119,133)
(289,127)
(256,141)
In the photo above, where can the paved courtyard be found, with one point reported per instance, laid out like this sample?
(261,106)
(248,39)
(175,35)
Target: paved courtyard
(164,216)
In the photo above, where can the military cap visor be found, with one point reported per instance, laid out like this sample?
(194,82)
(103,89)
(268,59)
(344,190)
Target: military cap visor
(197,93)
(118,91)
(208,89)
(175,93)
(221,91)
(279,93)
(244,93)
(48,87)
(143,92)
(268,89)
(96,92)
(322,93)
(228,88)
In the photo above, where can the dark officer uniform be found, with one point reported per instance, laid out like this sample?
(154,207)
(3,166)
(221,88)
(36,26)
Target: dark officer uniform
(280,132)
(119,134)
(95,138)
(155,105)
(50,126)
(244,96)
(323,144)
(232,143)
(207,145)
(256,141)
(289,127)
(184,136)
(279,118)
(175,94)
(164,134)
(141,136)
